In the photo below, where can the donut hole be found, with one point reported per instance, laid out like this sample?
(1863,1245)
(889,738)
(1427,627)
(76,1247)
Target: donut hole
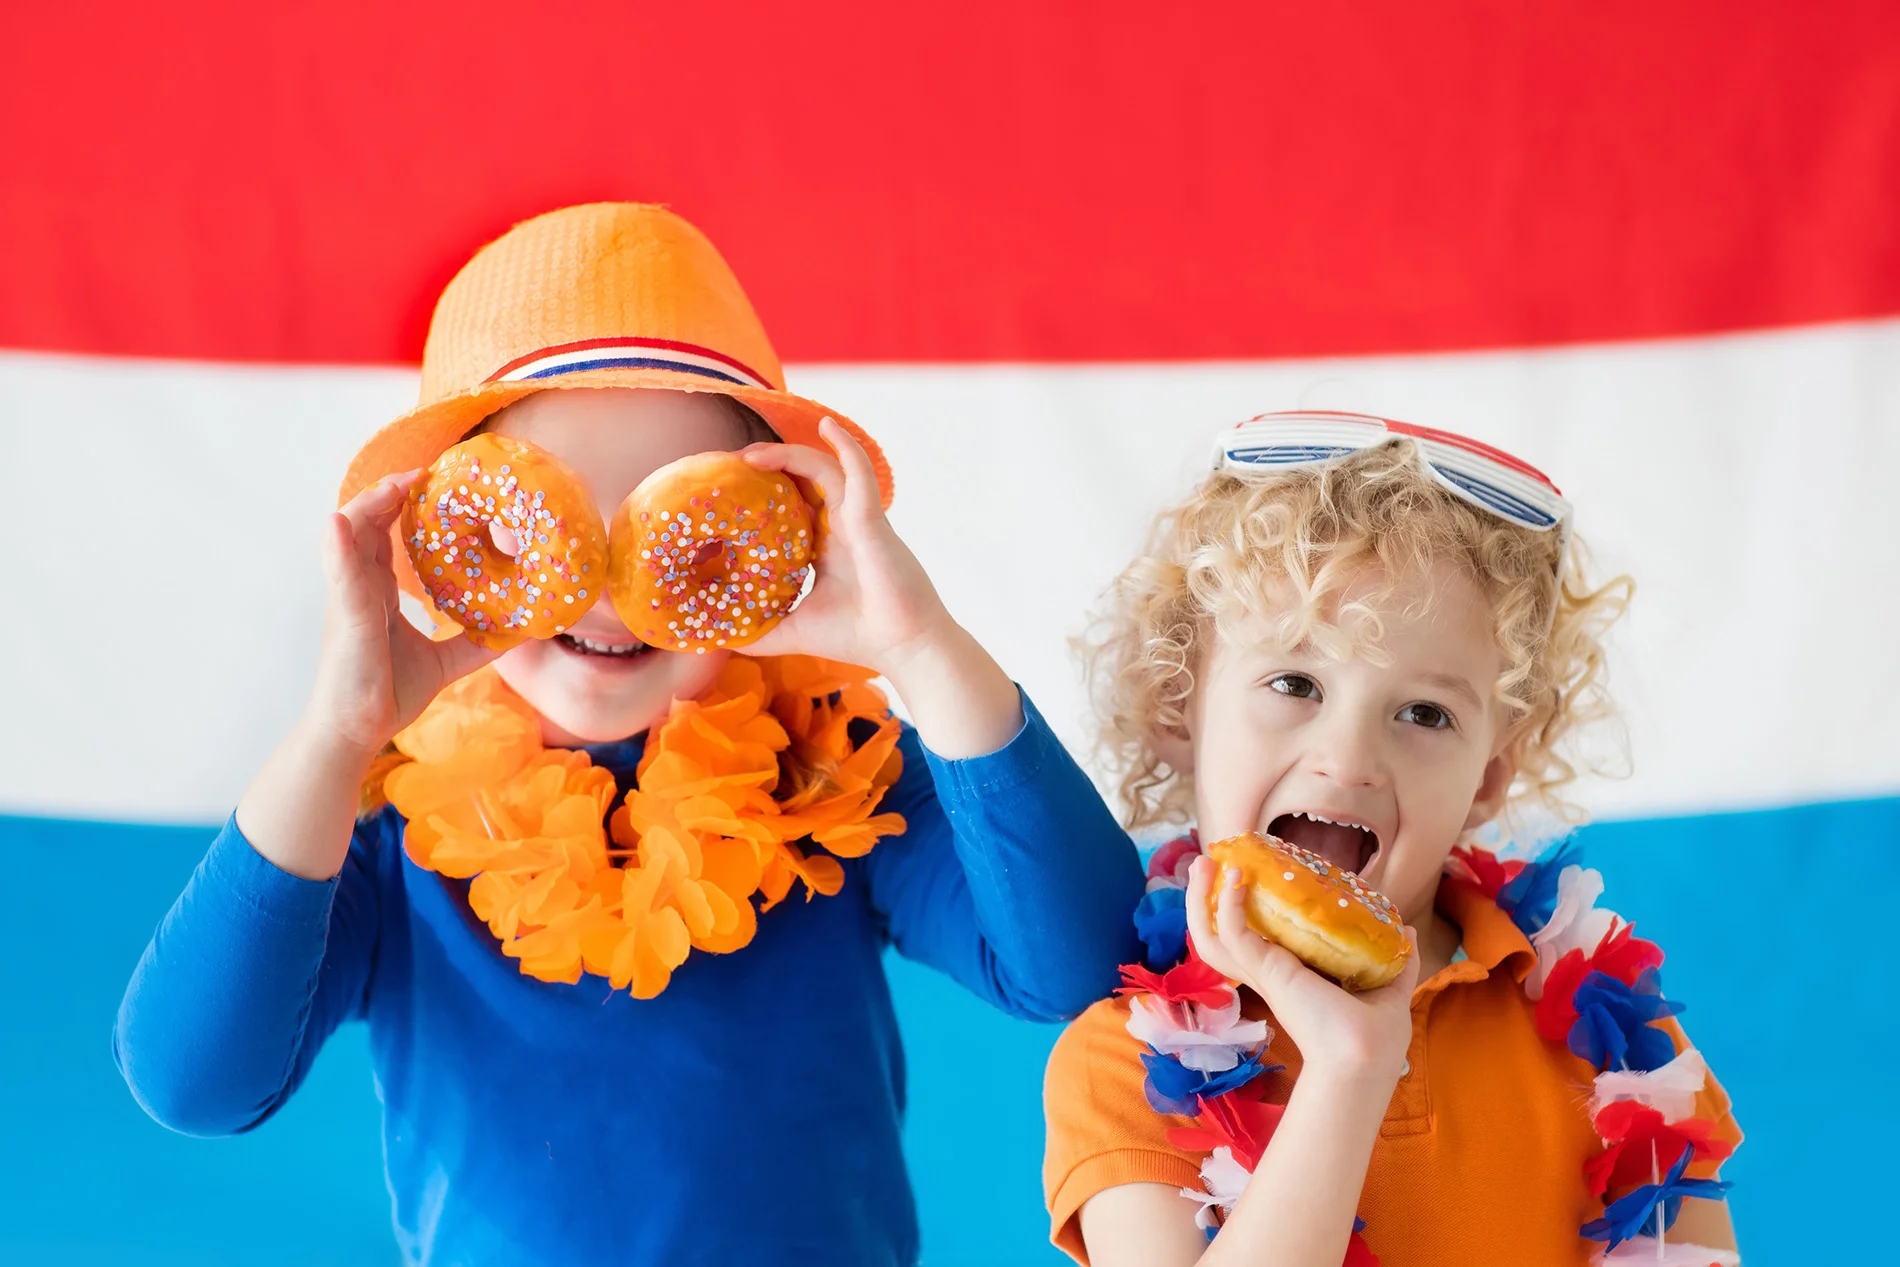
(804,588)
(506,539)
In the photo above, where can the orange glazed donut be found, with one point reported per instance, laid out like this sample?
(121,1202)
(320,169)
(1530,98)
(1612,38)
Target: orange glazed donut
(710,551)
(506,540)
(1319,911)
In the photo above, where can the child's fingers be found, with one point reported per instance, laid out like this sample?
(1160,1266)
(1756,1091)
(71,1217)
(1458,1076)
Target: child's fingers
(372,511)
(861,494)
(1270,967)
(378,505)
(1207,941)
(337,542)
(1198,924)
(343,567)
(1278,974)
(802,462)
(1241,941)
(1209,933)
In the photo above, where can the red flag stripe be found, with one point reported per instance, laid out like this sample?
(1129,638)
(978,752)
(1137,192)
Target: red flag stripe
(976,181)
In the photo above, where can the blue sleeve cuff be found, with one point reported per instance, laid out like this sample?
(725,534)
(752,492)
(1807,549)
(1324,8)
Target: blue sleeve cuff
(234,865)
(1020,761)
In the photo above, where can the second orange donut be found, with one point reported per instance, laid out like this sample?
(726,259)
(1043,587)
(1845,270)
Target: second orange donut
(709,552)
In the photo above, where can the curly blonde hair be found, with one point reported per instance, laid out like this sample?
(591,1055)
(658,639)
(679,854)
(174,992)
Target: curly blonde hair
(1234,548)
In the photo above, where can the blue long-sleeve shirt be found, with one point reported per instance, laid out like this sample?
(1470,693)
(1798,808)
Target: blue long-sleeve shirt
(749,1114)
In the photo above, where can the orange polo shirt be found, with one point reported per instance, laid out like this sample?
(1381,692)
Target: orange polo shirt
(1479,1162)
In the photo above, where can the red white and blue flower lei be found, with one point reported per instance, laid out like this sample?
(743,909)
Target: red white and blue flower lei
(1596,987)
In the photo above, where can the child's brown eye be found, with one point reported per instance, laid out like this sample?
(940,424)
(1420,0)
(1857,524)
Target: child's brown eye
(1430,716)
(1298,685)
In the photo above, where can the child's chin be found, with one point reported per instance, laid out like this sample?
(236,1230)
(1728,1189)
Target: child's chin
(567,721)
(599,699)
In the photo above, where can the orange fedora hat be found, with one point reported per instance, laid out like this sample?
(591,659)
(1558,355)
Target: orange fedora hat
(609,294)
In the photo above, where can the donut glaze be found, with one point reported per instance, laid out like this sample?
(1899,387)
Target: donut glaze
(710,551)
(506,541)
(1319,911)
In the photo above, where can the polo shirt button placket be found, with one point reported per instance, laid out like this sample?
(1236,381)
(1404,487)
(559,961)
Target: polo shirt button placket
(1410,1111)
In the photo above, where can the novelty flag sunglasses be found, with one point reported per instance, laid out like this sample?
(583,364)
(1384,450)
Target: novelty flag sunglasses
(1488,478)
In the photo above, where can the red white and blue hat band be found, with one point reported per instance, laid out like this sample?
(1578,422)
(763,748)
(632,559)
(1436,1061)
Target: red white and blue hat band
(629,353)
(1486,477)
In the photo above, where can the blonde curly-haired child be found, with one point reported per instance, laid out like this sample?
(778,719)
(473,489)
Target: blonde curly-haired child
(1372,640)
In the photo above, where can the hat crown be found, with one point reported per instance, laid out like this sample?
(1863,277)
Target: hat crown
(613,271)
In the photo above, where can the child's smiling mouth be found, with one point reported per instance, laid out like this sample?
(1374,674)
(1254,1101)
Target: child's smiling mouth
(1347,845)
(609,650)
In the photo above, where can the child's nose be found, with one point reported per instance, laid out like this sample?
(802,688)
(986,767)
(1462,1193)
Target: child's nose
(1350,751)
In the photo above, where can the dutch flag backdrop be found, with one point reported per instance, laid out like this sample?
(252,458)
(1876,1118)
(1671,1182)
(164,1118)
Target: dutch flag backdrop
(1042,252)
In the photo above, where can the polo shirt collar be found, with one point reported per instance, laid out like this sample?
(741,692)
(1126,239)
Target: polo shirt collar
(1491,940)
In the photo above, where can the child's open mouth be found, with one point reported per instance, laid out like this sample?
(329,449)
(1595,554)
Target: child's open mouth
(596,648)
(1345,845)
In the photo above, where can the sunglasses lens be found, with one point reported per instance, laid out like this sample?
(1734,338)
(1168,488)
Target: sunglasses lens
(1503,504)
(1284,454)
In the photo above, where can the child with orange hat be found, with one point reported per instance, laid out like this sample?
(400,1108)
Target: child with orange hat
(564,899)
(1368,640)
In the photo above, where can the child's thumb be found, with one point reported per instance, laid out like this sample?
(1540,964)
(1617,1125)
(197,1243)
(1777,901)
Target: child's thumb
(459,657)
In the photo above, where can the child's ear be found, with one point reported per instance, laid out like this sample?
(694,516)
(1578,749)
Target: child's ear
(1174,746)
(1494,789)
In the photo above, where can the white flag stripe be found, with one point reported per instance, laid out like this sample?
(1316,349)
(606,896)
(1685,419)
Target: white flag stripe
(167,596)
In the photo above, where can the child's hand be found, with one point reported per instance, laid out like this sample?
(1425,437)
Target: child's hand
(376,671)
(872,601)
(873,605)
(1360,1038)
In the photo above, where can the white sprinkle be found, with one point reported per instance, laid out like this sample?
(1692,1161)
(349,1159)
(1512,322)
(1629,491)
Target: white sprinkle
(1287,876)
(1344,902)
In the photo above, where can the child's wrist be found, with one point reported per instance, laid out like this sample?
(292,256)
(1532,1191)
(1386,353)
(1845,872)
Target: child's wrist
(938,646)
(329,743)
(960,700)
(1354,1077)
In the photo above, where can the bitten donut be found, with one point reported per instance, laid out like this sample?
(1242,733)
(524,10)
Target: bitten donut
(710,551)
(506,540)
(1319,911)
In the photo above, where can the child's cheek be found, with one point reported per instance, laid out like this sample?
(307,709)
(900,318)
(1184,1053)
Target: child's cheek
(1233,780)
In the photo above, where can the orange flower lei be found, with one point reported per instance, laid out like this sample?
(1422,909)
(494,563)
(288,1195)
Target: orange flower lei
(727,785)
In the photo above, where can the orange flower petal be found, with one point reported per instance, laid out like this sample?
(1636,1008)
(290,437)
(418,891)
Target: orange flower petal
(689,899)
(733,865)
(744,927)
(775,881)
(599,943)
(855,840)
(665,931)
(650,973)
(553,953)
(823,874)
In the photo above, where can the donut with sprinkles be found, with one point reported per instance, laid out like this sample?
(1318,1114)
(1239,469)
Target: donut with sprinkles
(710,552)
(506,540)
(1323,913)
